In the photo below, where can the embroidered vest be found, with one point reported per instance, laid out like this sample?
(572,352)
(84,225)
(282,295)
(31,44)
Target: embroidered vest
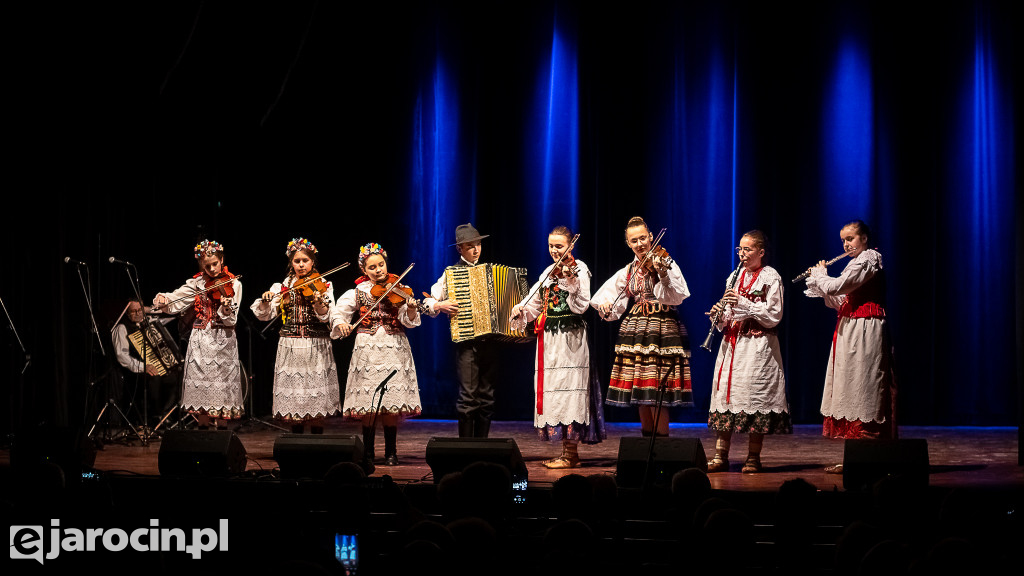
(867,301)
(300,320)
(384,314)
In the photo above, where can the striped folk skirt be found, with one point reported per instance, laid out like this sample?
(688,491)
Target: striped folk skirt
(652,345)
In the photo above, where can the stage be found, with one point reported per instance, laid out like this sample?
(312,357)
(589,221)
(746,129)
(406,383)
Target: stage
(280,519)
(964,457)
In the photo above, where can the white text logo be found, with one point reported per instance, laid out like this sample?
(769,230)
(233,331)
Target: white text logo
(27,541)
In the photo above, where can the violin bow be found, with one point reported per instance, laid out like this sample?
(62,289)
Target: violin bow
(300,286)
(642,262)
(384,295)
(307,282)
(572,244)
(207,289)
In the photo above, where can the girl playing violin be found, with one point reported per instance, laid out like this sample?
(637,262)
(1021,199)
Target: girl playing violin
(381,348)
(305,376)
(566,405)
(652,343)
(212,377)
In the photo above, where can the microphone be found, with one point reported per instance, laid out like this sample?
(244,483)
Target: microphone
(113,260)
(383,384)
(68,260)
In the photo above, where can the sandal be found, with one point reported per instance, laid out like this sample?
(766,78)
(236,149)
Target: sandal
(751,466)
(718,465)
(837,469)
(562,463)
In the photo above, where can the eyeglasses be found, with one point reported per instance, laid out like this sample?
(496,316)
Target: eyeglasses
(742,249)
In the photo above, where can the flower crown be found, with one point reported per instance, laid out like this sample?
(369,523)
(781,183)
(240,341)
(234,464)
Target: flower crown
(208,248)
(297,244)
(369,250)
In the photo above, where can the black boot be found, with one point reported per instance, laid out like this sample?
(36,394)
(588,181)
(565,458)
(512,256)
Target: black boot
(481,427)
(391,446)
(368,434)
(465,426)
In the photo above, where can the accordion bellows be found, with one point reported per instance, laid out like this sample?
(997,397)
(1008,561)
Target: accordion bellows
(486,294)
(154,343)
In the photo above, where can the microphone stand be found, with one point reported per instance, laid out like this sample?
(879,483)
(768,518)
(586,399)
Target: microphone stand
(382,388)
(143,432)
(654,430)
(20,390)
(250,419)
(95,331)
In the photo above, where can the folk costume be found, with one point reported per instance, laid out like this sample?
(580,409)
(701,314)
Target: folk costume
(212,375)
(381,347)
(748,393)
(476,360)
(566,403)
(749,389)
(860,393)
(305,375)
(652,343)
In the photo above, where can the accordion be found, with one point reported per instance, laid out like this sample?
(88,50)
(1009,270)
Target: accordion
(486,294)
(154,343)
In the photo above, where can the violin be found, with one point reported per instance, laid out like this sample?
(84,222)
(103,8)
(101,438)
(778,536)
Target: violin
(658,255)
(397,296)
(222,286)
(312,286)
(566,268)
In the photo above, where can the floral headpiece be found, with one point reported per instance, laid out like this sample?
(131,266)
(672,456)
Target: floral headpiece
(208,248)
(297,244)
(369,250)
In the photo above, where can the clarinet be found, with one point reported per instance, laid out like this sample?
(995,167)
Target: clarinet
(714,319)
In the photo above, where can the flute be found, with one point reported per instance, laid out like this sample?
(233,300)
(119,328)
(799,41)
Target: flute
(829,263)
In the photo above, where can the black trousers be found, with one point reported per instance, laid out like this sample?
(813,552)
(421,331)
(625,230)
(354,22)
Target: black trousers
(476,368)
(162,394)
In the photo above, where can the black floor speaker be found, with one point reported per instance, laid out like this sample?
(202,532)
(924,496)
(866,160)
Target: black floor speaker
(446,455)
(312,455)
(207,453)
(865,462)
(67,447)
(670,456)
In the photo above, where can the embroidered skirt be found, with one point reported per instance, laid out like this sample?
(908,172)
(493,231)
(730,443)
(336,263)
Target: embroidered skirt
(651,345)
(305,380)
(212,381)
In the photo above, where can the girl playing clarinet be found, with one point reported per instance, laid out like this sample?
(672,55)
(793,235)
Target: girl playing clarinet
(749,389)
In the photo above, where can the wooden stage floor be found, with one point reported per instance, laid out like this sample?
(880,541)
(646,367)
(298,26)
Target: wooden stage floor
(958,457)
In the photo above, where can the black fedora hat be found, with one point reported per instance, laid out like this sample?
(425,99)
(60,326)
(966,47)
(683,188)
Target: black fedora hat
(467,233)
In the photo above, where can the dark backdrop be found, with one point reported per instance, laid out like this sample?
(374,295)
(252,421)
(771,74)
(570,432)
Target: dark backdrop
(136,130)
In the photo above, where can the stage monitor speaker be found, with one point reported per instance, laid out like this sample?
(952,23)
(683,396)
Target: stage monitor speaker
(67,447)
(312,455)
(670,456)
(445,455)
(208,453)
(865,462)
